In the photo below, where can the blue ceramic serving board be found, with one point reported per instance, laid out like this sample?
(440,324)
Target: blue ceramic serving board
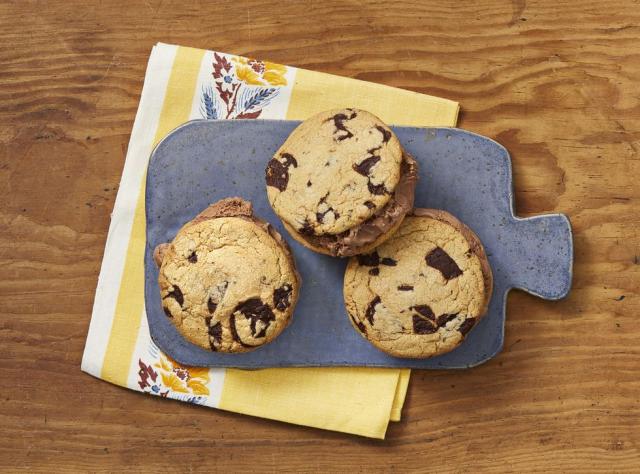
(463,173)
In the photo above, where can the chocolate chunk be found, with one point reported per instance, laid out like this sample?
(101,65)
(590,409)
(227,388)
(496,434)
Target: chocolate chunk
(377,189)
(386,134)
(289,160)
(193,258)
(215,332)
(466,326)
(338,121)
(211,305)
(234,331)
(369,259)
(405,288)
(308,184)
(388,262)
(369,204)
(422,326)
(359,324)
(364,167)
(320,215)
(306,229)
(282,297)
(371,309)
(277,175)
(176,294)
(255,310)
(167,312)
(445,318)
(375,271)
(425,311)
(441,261)
(277,172)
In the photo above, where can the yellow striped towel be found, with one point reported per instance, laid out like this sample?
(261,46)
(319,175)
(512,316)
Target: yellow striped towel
(183,84)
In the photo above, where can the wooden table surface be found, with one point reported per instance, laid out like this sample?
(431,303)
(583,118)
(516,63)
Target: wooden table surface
(556,82)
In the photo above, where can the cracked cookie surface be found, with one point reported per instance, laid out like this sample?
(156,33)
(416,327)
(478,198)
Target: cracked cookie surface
(228,281)
(335,171)
(423,290)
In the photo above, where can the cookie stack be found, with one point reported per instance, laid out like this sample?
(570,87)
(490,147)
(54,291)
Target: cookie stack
(417,282)
(341,182)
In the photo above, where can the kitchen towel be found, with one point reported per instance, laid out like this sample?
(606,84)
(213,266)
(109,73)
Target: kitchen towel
(184,84)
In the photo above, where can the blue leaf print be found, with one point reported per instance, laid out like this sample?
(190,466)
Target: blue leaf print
(252,100)
(209,103)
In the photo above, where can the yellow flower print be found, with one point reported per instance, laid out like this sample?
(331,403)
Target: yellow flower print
(259,73)
(182,379)
(274,74)
(166,363)
(172,382)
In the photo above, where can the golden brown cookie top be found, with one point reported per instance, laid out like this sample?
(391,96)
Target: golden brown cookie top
(421,292)
(227,280)
(335,171)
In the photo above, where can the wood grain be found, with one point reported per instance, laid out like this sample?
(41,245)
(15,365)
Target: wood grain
(555,81)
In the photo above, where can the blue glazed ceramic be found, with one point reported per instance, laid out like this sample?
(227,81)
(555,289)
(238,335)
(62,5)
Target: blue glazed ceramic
(460,172)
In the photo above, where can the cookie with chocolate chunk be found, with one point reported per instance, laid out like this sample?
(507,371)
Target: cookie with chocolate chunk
(341,182)
(420,293)
(228,280)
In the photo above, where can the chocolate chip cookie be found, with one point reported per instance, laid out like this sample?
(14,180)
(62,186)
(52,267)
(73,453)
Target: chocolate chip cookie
(341,182)
(228,281)
(423,290)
